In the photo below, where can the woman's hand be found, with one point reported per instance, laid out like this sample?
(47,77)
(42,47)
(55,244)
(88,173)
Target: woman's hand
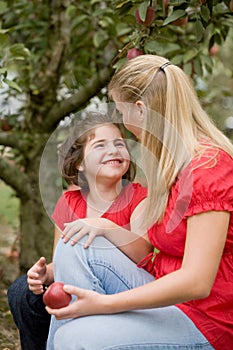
(37,276)
(92,227)
(87,303)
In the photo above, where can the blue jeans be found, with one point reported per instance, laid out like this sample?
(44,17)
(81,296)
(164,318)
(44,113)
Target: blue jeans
(103,268)
(29,314)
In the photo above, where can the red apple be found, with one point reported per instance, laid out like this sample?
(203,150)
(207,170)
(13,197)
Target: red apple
(55,296)
(134,53)
(150,16)
(214,50)
(202,2)
(180,21)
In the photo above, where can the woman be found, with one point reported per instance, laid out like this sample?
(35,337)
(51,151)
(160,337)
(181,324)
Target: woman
(189,167)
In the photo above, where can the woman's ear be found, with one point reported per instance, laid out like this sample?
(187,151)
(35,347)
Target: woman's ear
(141,110)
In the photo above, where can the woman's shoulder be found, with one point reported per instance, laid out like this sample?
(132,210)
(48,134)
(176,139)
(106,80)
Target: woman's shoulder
(210,182)
(213,160)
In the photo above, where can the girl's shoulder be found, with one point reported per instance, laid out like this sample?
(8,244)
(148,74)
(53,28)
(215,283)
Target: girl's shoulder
(136,188)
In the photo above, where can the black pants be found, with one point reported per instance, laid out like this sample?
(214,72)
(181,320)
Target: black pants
(29,314)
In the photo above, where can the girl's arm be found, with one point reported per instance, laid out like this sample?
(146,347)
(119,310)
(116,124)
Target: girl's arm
(133,243)
(206,236)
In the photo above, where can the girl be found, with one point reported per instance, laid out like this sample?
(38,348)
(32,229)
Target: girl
(189,215)
(96,159)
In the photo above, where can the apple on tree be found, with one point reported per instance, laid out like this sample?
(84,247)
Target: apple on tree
(180,21)
(134,53)
(150,16)
(214,50)
(55,296)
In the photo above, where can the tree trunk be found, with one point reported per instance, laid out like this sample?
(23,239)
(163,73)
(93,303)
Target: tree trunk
(36,233)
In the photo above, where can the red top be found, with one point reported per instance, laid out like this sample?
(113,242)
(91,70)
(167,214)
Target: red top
(201,187)
(72,206)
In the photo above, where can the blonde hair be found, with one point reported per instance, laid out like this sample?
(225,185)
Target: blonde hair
(176,128)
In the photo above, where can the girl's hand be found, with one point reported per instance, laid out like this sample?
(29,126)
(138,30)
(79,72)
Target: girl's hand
(37,275)
(87,303)
(91,226)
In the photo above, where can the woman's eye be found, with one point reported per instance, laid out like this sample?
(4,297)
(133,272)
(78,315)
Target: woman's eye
(99,145)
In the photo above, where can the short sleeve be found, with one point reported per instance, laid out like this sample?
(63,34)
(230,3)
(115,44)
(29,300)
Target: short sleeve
(212,185)
(139,193)
(64,211)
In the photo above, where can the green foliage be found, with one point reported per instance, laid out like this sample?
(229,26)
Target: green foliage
(9,206)
(183,31)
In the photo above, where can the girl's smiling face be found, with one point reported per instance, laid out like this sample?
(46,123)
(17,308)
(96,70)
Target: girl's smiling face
(105,156)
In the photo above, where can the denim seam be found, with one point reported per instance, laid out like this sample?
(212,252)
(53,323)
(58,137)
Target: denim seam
(158,346)
(110,268)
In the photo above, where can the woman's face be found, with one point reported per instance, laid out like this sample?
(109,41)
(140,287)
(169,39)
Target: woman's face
(132,114)
(106,157)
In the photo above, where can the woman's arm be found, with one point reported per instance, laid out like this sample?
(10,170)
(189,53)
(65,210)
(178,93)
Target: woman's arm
(133,243)
(206,236)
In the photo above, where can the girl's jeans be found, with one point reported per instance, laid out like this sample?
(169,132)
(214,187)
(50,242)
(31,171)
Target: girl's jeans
(29,314)
(103,268)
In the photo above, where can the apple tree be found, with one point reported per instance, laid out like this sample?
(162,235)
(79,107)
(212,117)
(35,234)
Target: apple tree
(57,55)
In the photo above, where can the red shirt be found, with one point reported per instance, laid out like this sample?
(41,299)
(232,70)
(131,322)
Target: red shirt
(72,206)
(200,188)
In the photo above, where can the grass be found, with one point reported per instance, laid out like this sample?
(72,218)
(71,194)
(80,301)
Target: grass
(9,206)
(9,223)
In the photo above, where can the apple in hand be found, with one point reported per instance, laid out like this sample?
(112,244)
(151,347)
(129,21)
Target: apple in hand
(134,53)
(150,16)
(55,296)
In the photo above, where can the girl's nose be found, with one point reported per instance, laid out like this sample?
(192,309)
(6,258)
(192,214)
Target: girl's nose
(112,148)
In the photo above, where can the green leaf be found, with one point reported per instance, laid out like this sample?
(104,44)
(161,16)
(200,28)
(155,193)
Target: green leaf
(4,41)
(99,37)
(3,71)
(143,10)
(19,51)
(205,13)
(3,7)
(174,16)
(161,48)
(12,84)
(189,55)
(177,59)
(188,68)
(177,2)
(198,66)
(199,30)
(207,62)
(120,63)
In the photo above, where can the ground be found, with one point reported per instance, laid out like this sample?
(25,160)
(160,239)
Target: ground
(9,339)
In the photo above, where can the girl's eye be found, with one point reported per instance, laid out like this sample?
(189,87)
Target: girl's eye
(120,144)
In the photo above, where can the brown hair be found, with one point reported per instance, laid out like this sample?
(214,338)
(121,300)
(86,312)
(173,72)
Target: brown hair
(71,152)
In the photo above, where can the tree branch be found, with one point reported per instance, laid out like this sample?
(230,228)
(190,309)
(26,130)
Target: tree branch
(78,100)
(12,176)
(8,139)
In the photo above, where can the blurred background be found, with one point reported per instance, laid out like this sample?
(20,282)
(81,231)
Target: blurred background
(56,58)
